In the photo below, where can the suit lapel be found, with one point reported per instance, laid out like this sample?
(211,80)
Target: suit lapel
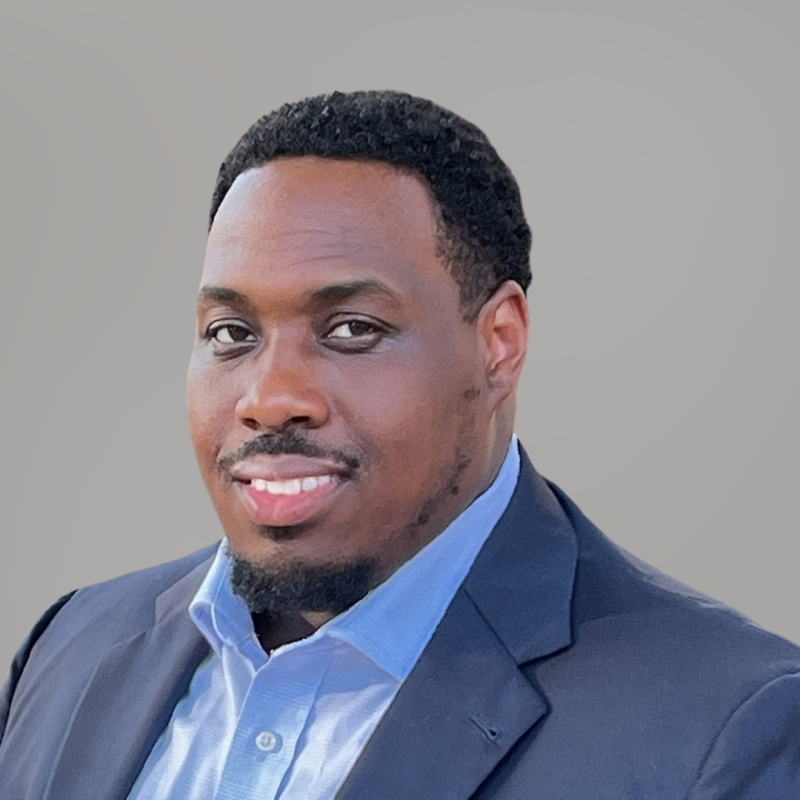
(523,578)
(129,701)
(466,702)
(443,735)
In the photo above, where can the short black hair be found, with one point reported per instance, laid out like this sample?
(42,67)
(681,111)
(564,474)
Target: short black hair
(482,229)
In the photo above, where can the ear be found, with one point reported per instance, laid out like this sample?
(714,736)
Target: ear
(503,328)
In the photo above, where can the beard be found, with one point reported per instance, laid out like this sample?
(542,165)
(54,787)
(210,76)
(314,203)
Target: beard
(291,588)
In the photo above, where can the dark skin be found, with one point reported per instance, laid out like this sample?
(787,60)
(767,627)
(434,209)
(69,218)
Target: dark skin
(327,310)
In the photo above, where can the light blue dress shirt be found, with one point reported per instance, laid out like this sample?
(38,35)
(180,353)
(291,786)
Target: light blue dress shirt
(292,724)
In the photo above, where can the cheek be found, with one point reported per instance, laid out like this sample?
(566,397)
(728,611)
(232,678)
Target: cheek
(210,403)
(405,417)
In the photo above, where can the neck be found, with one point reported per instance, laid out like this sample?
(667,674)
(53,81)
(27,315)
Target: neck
(275,630)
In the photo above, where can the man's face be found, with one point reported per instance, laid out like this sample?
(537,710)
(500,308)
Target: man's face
(337,399)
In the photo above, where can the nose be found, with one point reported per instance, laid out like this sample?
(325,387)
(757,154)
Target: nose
(283,391)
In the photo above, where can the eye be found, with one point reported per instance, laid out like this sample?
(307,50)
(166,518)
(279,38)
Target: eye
(229,333)
(352,329)
(355,335)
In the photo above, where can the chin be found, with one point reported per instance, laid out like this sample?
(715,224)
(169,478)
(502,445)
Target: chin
(283,533)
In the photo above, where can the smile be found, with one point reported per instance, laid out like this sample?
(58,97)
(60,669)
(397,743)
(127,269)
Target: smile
(292,501)
(294,485)
(285,490)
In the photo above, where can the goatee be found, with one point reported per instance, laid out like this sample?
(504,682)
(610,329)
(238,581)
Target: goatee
(284,589)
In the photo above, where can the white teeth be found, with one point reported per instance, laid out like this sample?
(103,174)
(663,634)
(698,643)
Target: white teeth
(293,486)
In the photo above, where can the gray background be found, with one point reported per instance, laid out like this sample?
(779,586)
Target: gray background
(656,144)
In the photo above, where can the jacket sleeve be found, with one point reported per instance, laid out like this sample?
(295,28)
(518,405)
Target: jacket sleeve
(757,754)
(21,658)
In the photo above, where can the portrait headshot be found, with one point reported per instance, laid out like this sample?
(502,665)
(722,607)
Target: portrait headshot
(405,405)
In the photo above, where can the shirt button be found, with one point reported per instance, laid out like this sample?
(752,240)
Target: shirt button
(267,741)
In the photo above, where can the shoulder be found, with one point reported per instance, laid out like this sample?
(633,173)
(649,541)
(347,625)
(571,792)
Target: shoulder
(666,644)
(129,599)
(612,585)
(87,621)
(662,671)
(656,616)
(623,603)
(132,597)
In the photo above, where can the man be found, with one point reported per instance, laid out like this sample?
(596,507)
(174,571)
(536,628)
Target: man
(402,607)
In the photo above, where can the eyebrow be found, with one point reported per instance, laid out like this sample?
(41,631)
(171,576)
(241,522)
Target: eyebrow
(221,294)
(344,291)
(335,292)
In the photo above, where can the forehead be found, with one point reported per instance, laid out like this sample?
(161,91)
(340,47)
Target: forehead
(314,214)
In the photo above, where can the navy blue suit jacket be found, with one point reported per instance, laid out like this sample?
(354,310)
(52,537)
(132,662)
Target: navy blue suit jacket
(564,669)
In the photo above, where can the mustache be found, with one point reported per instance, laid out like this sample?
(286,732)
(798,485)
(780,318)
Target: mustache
(289,443)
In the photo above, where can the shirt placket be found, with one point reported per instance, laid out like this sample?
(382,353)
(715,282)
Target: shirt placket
(272,718)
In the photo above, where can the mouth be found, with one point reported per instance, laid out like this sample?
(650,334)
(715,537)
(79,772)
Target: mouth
(293,485)
(280,491)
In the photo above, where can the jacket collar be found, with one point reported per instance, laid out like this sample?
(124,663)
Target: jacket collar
(522,581)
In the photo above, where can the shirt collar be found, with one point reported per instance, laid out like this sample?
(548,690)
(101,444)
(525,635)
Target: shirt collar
(394,622)
(220,615)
